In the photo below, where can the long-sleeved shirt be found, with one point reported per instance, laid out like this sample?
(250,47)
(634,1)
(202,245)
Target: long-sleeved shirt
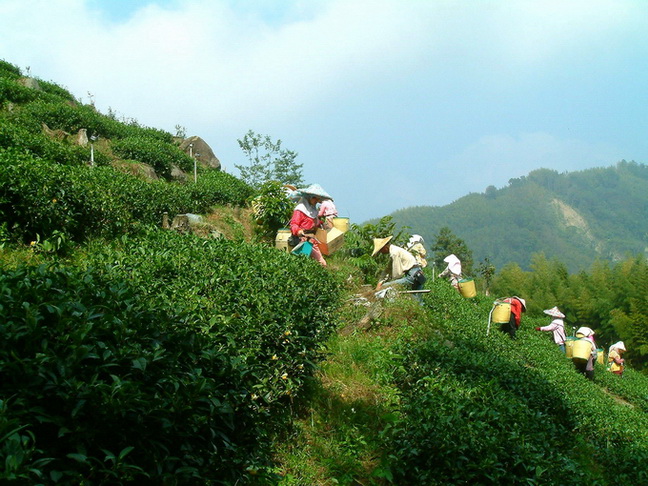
(402,260)
(419,252)
(558,328)
(304,217)
(516,309)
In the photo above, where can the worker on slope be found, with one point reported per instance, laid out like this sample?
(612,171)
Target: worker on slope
(305,219)
(586,367)
(453,270)
(404,269)
(416,248)
(518,306)
(556,326)
(616,364)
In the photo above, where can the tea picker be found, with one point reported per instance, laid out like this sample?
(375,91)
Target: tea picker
(404,268)
(513,311)
(499,314)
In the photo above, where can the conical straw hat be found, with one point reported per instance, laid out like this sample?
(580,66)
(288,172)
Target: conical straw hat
(379,243)
(554,312)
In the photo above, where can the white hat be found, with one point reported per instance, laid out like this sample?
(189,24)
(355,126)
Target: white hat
(414,239)
(522,301)
(585,331)
(315,190)
(554,312)
(454,264)
(379,243)
(618,345)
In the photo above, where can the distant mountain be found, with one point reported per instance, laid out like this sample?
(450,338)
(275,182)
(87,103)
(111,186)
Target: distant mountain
(575,217)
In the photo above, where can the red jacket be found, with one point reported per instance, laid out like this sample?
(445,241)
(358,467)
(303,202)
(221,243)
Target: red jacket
(301,221)
(516,309)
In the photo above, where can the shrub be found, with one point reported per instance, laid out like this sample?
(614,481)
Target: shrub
(273,209)
(159,155)
(8,70)
(138,365)
(101,389)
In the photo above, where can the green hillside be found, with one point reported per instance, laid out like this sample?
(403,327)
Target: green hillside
(575,217)
(132,353)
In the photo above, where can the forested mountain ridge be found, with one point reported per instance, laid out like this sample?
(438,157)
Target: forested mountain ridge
(575,217)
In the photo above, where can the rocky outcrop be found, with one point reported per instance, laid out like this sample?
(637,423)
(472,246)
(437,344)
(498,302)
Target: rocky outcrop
(198,148)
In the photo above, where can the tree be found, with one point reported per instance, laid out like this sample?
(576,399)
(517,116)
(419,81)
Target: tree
(487,271)
(446,243)
(272,209)
(268,161)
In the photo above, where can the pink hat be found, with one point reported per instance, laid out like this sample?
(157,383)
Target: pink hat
(554,312)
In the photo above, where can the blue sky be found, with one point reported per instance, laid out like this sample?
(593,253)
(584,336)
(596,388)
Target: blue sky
(389,103)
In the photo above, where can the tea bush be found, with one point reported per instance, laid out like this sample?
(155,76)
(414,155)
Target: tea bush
(37,198)
(43,147)
(98,388)
(160,359)
(13,92)
(8,70)
(159,155)
(487,410)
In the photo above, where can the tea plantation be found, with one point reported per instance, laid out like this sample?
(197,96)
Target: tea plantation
(132,354)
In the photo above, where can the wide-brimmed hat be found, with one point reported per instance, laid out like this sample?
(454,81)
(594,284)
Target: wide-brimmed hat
(584,331)
(522,301)
(554,312)
(618,345)
(454,264)
(315,190)
(379,243)
(414,239)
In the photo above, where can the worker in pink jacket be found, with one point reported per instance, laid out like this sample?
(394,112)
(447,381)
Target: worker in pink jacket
(556,326)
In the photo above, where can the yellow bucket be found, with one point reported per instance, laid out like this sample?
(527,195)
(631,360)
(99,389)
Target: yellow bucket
(600,356)
(281,240)
(581,349)
(467,287)
(569,346)
(501,313)
(342,224)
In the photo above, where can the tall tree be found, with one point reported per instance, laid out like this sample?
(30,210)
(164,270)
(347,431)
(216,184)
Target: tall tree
(268,161)
(445,243)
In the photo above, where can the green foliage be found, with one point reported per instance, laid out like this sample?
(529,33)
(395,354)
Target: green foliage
(446,243)
(13,136)
(358,242)
(576,217)
(137,365)
(159,155)
(56,90)
(13,92)
(8,70)
(487,270)
(272,209)
(38,198)
(609,299)
(485,410)
(268,161)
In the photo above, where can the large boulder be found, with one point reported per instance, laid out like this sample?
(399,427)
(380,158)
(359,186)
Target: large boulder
(203,153)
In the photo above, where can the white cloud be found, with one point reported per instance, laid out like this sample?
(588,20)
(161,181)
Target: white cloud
(222,67)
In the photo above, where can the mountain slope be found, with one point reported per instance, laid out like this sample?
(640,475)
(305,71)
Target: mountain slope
(574,217)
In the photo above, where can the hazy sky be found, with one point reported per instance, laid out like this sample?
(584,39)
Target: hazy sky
(389,103)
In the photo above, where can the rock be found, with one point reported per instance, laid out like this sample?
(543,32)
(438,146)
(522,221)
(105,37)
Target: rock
(30,83)
(203,153)
(178,174)
(56,134)
(82,137)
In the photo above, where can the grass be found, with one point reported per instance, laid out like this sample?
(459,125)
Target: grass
(336,437)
